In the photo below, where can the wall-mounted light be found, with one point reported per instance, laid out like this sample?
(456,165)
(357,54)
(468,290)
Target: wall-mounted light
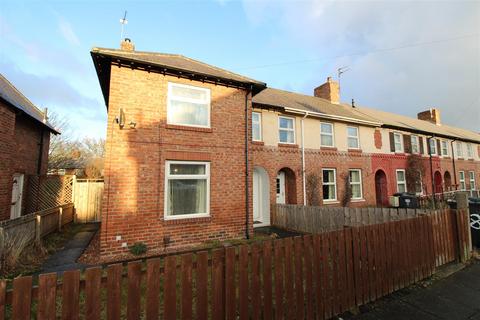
(120,120)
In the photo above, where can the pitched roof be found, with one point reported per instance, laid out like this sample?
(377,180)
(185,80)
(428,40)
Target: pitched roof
(344,112)
(17,100)
(173,63)
(412,124)
(317,106)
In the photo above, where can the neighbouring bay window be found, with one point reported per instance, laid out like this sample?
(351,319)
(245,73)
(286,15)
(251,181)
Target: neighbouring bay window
(397,142)
(256,126)
(352,136)
(459,147)
(187,188)
(433,146)
(286,130)
(471,175)
(415,144)
(469,151)
(444,148)
(462,180)
(188,105)
(329,184)
(401,181)
(355,177)
(326,134)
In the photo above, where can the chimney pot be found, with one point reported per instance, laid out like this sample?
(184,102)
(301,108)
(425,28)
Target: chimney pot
(330,91)
(127,45)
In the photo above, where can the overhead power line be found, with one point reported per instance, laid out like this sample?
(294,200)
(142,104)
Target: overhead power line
(418,44)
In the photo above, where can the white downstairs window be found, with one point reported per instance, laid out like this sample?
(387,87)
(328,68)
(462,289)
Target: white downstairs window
(463,186)
(188,105)
(401,181)
(355,176)
(187,189)
(471,176)
(329,184)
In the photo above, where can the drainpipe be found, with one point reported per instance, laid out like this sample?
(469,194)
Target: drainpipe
(453,163)
(247,169)
(303,161)
(431,169)
(40,152)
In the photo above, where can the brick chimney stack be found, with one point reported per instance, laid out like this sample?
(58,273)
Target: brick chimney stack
(432,115)
(127,45)
(330,91)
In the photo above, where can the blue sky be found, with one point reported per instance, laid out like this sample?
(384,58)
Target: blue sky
(402,56)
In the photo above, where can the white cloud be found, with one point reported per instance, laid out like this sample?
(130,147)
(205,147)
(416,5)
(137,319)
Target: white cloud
(409,80)
(67,31)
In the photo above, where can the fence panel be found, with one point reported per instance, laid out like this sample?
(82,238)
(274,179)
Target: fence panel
(87,196)
(315,276)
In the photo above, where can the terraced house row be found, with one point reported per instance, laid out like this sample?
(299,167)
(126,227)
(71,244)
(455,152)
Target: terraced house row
(197,153)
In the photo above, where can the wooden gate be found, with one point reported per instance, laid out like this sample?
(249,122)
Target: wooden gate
(87,197)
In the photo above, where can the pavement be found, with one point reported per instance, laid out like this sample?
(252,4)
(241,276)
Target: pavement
(66,258)
(454,297)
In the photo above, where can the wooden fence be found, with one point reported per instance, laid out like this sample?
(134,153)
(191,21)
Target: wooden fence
(313,277)
(320,219)
(35,226)
(87,197)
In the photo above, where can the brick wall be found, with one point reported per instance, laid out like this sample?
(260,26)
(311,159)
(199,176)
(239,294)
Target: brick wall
(133,205)
(19,143)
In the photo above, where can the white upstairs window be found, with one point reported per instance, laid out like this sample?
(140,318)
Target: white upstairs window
(286,130)
(397,142)
(188,105)
(433,146)
(444,148)
(469,151)
(352,136)
(326,134)
(459,148)
(256,126)
(415,144)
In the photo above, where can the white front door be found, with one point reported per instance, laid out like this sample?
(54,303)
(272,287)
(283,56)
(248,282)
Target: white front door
(281,187)
(17,193)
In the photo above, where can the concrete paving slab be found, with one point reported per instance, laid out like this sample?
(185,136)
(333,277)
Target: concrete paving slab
(442,307)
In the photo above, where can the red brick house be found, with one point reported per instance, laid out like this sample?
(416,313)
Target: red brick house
(197,153)
(24,141)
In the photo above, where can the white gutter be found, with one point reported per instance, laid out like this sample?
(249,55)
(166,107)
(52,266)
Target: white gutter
(333,117)
(303,160)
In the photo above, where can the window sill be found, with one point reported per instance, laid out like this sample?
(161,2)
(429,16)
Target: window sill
(188,128)
(287,145)
(186,220)
(258,143)
(355,150)
(357,200)
(331,202)
(329,148)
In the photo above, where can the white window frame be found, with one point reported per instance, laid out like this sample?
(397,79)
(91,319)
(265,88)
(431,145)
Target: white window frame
(469,151)
(259,126)
(459,149)
(432,152)
(417,143)
(404,182)
(168,177)
(471,178)
(445,154)
(286,129)
(357,137)
(461,181)
(170,97)
(401,150)
(327,134)
(334,183)
(357,183)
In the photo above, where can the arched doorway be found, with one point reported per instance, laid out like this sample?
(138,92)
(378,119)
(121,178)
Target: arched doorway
(381,189)
(286,188)
(437,182)
(261,197)
(447,180)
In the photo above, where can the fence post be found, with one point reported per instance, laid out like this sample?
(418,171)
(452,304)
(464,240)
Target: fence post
(38,229)
(461,198)
(2,245)
(60,214)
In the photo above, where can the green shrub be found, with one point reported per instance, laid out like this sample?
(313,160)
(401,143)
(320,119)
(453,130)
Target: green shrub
(138,248)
